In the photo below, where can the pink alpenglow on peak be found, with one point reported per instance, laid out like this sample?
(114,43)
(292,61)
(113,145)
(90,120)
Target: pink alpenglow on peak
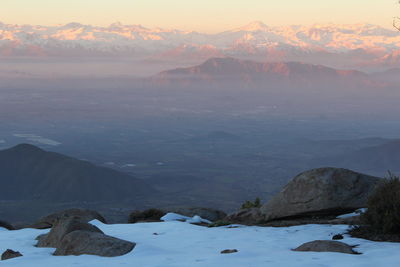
(338,46)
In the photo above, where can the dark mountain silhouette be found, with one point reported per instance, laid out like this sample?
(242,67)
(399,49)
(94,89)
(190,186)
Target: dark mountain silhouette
(246,71)
(30,173)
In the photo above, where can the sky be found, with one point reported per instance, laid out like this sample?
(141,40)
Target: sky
(200,15)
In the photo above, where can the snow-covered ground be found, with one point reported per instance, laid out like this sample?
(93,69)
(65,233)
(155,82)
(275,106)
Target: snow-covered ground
(348,215)
(180,244)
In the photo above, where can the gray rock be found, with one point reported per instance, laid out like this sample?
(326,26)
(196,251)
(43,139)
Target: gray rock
(149,215)
(327,246)
(324,191)
(337,237)
(6,225)
(41,239)
(205,213)
(91,243)
(10,254)
(251,216)
(62,228)
(83,215)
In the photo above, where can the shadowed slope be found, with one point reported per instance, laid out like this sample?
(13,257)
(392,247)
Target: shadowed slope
(28,172)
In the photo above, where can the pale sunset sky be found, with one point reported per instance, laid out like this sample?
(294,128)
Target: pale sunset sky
(202,15)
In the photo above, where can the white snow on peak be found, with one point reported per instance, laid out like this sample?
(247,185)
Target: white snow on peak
(121,39)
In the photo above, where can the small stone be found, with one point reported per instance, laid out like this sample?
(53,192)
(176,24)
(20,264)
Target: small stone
(228,251)
(337,237)
(9,254)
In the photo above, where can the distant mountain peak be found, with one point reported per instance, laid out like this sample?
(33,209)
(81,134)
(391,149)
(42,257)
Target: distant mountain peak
(253,27)
(116,24)
(73,25)
(352,45)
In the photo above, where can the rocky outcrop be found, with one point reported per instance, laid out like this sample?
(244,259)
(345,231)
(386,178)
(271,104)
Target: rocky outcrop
(246,216)
(82,215)
(10,254)
(205,213)
(92,243)
(150,215)
(6,225)
(324,191)
(312,220)
(41,240)
(61,229)
(326,246)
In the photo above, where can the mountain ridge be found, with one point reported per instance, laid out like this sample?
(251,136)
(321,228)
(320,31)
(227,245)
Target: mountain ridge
(366,43)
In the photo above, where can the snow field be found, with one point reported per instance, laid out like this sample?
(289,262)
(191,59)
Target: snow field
(180,244)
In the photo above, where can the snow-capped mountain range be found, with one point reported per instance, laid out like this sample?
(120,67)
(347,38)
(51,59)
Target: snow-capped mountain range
(335,45)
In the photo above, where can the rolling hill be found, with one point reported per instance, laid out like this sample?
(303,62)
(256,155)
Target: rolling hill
(30,173)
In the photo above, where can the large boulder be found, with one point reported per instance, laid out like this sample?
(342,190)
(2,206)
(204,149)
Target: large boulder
(91,243)
(326,246)
(324,191)
(61,229)
(6,225)
(205,213)
(83,215)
